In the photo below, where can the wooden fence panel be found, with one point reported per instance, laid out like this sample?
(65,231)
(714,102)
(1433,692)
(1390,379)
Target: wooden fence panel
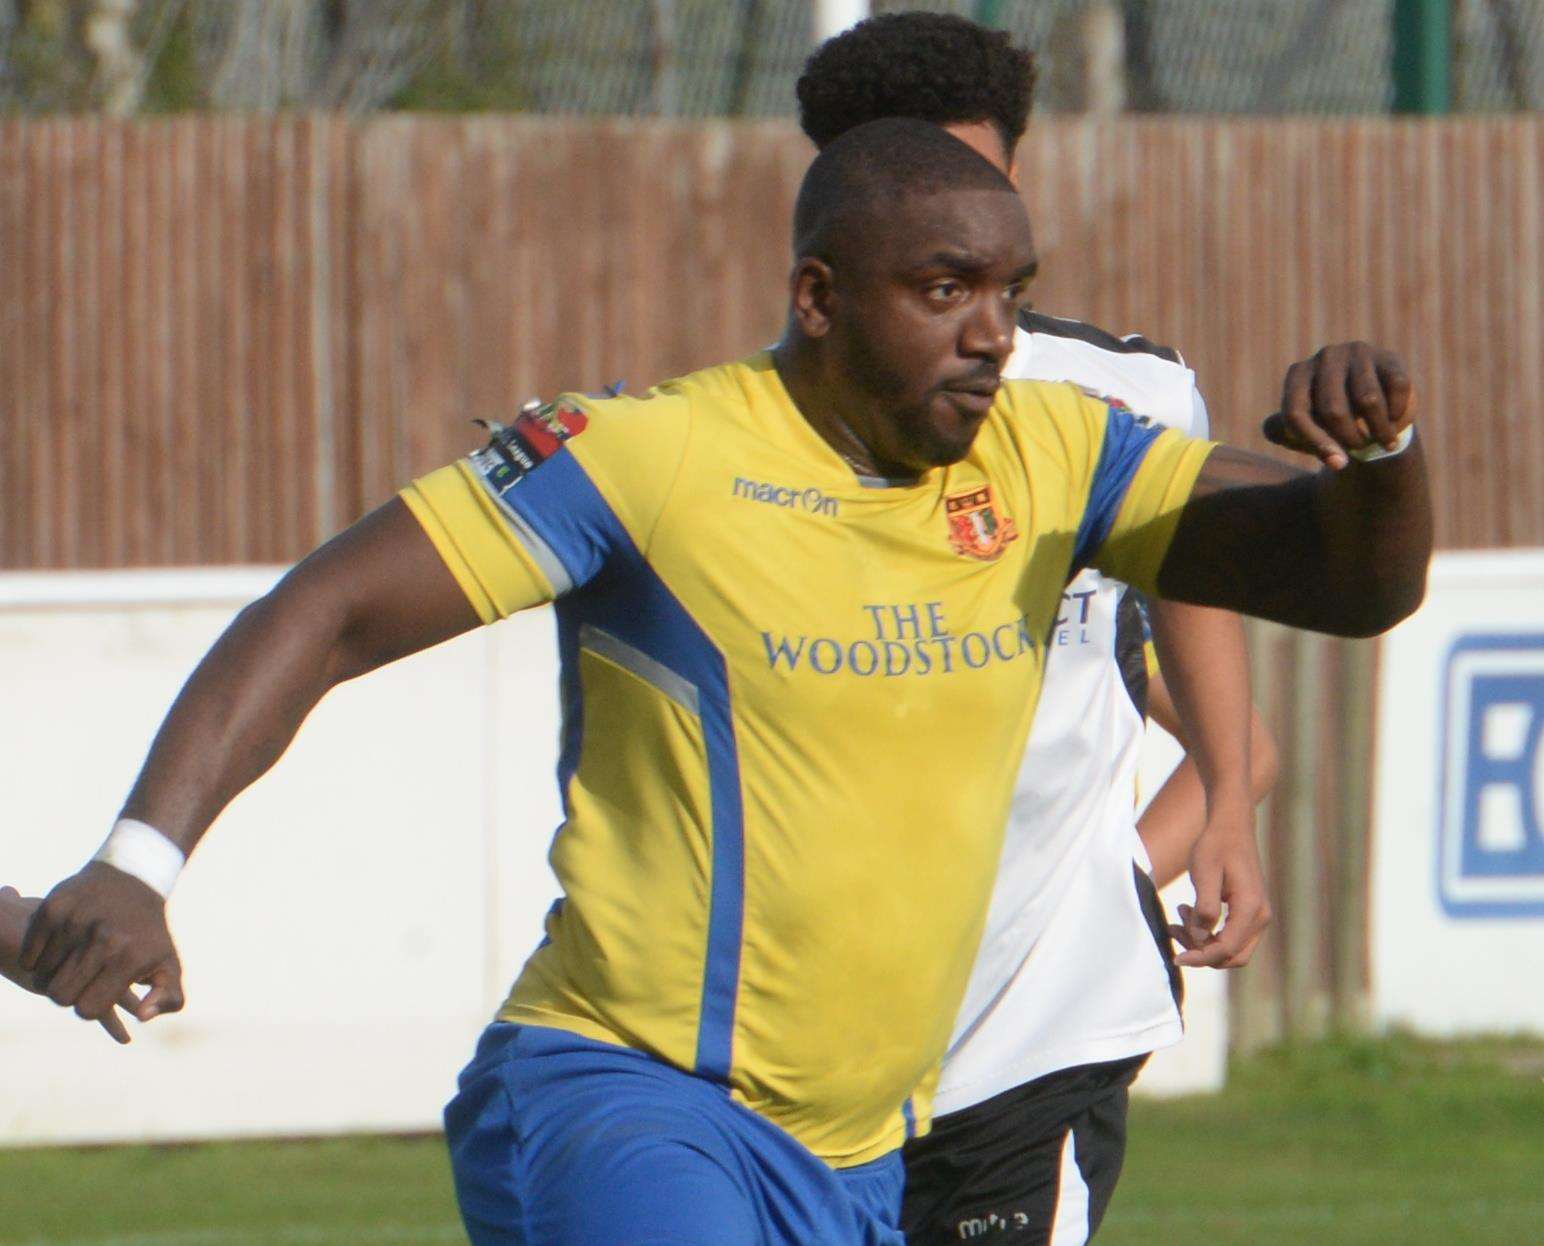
(264,325)
(1309,975)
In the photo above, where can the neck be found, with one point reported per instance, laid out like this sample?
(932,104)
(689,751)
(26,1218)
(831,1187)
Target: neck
(821,399)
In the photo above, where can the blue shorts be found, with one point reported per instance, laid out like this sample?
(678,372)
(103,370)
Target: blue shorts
(560,1141)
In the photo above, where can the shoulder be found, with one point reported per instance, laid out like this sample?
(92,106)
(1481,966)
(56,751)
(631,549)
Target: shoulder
(720,388)
(1130,373)
(1032,396)
(621,414)
(1058,396)
(670,407)
(627,432)
(637,449)
(1060,417)
(1071,423)
(1091,336)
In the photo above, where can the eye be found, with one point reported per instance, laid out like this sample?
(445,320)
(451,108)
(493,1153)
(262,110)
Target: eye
(1018,295)
(944,293)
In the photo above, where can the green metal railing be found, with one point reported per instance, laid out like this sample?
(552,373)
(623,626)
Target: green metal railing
(1423,56)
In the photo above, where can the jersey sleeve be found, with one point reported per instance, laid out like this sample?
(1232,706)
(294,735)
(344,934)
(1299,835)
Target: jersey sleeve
(1143,478)
(1200,417)
(552,498)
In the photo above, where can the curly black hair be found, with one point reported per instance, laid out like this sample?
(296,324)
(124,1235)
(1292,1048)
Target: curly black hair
(931,66)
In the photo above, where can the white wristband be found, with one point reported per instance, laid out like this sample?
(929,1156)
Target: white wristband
(139,849)
(1369,454)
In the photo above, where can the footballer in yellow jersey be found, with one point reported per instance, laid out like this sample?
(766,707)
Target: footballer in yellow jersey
(794,702)
(802,605)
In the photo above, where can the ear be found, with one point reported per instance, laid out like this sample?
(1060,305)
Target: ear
(813,296)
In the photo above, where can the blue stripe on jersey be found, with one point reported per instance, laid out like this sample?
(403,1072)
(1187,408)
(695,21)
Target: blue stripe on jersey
(909,1115)
(567,512)
(563,506)
(570,696)
(1126,442)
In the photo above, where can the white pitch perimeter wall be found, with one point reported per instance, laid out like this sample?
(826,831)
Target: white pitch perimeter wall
(1458,848)
(352,921)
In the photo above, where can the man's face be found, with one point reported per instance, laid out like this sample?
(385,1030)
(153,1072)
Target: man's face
(923,321)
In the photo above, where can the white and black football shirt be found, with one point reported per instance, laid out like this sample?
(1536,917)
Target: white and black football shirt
(1074,967)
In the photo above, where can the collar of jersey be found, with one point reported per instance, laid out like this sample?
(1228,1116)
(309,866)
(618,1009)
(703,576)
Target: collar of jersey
(774,393)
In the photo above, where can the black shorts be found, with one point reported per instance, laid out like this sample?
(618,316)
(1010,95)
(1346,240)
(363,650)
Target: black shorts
(1033,1166)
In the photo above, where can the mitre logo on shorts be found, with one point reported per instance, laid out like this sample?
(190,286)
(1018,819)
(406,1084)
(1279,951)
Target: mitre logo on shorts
(975,527)
(537,433)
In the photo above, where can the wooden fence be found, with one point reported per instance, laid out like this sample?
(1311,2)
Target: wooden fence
(1310,974)
(220,340)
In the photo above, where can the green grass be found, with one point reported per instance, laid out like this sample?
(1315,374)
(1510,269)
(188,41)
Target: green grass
(1356,1143)
(322,1193)
(1353,1143)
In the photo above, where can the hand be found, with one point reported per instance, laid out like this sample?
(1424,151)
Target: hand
(15,912)
(1225,870)
(95,935)
(1347,397)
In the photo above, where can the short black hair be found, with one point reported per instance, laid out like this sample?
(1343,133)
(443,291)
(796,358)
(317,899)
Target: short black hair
(932,66)
(873,167)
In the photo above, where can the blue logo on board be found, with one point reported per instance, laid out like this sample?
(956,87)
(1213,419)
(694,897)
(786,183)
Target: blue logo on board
(1490,851)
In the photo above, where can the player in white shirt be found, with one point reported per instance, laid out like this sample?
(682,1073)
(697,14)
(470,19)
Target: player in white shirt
(1069,972)
(1075,983)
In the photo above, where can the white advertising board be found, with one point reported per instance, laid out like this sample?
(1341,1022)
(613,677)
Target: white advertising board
(352,921)
(1457,920)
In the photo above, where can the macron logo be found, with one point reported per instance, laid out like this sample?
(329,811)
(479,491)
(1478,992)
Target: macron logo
(811,500)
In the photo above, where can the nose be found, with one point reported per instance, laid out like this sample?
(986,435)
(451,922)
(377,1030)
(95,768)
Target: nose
(988,331)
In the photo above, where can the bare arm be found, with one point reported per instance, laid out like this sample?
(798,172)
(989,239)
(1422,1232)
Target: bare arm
(1176,815)
(1208,822)
(375,593)
(1343,550)
(1203,690)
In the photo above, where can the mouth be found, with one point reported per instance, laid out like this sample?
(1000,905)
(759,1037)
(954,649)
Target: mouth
(975,399)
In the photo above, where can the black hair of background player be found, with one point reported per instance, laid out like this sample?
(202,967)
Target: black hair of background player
(930,66)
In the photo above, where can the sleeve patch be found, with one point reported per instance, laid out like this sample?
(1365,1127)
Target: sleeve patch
(515,450)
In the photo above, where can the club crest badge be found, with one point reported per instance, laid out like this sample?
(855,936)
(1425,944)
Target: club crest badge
(976,529)
(544,426)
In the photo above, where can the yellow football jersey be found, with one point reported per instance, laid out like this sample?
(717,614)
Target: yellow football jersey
(794,703)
